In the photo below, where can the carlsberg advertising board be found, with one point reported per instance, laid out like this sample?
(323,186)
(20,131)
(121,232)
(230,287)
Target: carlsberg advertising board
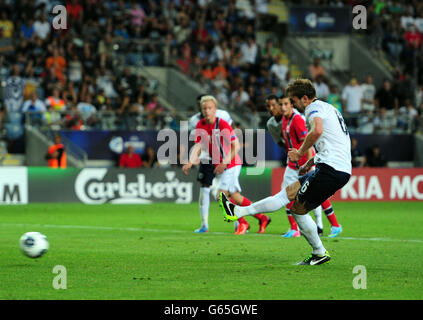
(102,185)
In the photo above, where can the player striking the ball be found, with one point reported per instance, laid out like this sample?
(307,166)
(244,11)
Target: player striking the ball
(288,129)
(217,136)
(329,134)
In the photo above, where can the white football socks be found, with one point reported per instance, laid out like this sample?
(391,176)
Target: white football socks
(309,231)
(204,202)
(318,216)
(268,204)
(306,224)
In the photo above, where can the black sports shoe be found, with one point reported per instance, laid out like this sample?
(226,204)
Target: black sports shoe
(228,208)
(315,259)
(319,231)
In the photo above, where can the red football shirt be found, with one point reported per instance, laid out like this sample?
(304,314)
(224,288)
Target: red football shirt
(294,131)
(217,138)
(130,162)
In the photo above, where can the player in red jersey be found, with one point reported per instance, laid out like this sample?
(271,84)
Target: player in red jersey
(293,132)
(217,136)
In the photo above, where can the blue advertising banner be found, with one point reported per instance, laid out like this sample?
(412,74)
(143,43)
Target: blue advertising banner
(319,20)
(108,145)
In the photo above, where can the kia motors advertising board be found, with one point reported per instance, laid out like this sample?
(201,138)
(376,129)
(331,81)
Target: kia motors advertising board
(373,184)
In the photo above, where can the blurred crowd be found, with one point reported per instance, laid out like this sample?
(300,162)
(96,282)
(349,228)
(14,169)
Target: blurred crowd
(393,107)
(217,48)
(396,106)
(69,78)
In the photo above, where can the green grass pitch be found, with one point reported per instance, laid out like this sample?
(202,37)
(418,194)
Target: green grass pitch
(151,252)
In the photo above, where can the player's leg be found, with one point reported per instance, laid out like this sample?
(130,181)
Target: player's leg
(318,217)
(229,181)
(306,200)
(293,231)
(226,184)
(239,199)
(242,226)
(315,189)
(289,177)
(336,228)
(205,177)
(269,204)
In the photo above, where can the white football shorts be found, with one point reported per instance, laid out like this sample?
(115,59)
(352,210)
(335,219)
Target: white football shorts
(229,180)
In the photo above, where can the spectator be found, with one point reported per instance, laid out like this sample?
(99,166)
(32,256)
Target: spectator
(413,37)
(75,69)
(249,51)
(185,59)
(27,29)
(374,158)
(127,84)
(220,69)
(36,108)
(387,99)
(182,29)
(351,100)
(357,157)
(149,158)
(220,83)
(6,25)
(154,111)
(58,62)
(137,15)
(56,154)
(407,114)
(368,90)
(87,110)
(105,82)
(334,98)
(42,27)
(52,119)
(207,72)
(269,52)
(384,123)
(281,72)
(322,90)
(73,119)
(316,69)
(200,33)
(239,98)
(13,97)
(55,101)
(366,123)
(130,159)
(75,12)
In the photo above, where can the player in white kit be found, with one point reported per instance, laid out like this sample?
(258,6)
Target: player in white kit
(329,134)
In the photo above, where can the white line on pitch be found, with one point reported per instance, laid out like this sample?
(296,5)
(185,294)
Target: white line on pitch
(182,231)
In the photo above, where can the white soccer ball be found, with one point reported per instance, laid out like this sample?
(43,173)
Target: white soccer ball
(34,244)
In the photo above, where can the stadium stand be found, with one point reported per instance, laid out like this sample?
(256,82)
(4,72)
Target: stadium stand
(87,78)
